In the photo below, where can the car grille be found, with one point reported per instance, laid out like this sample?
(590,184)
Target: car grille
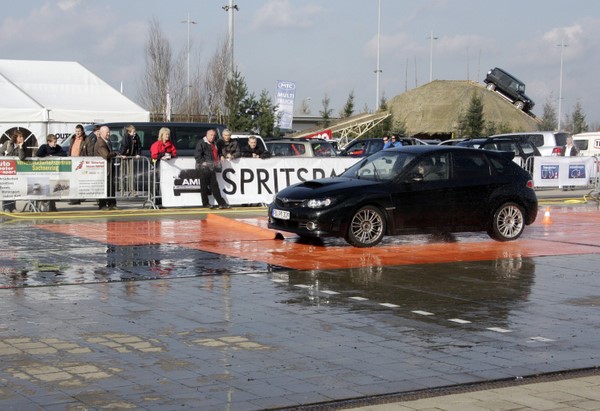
(287,203)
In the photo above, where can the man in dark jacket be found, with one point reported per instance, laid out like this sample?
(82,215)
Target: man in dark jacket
(207,164)
(103,149)
(253,150)
(228,147)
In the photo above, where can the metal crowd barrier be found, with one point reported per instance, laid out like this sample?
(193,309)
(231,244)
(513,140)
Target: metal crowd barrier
(134,178)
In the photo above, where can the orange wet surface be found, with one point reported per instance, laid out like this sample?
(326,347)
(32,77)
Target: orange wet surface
(574,230)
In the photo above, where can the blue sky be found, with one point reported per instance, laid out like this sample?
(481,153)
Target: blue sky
(329,47)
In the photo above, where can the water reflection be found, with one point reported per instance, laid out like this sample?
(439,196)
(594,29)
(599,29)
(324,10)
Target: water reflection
(468,290)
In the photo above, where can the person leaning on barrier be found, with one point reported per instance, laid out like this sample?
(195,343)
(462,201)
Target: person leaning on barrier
(253,150)
(103,149)
(10,148)
(162,149)
(50,149)
(228,148)
(207,164)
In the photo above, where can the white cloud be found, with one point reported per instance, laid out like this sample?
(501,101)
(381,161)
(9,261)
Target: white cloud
(281,14)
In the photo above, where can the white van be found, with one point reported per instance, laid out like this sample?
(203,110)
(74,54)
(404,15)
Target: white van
(588,144)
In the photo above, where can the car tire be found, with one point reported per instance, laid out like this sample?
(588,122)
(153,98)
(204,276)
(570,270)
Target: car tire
(491,86)
(519,105)
(366,228)
(508,222)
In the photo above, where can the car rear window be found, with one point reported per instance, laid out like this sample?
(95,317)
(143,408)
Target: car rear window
(470,166)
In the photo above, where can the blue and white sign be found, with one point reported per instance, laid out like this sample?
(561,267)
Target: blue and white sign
(286,91)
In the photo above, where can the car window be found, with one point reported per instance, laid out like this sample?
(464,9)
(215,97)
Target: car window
(561,138)
(580,144)
(470,166)
(536,139)
(527,148)
(375,146)
(431,168)
(322,149)
(383,165)
(357,149)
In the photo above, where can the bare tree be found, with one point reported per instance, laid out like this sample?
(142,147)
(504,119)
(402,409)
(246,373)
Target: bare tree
(215,83)
(155,81)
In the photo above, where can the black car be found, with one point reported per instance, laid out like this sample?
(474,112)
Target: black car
(510,87)
(463,142)
(364,147)
(417,189)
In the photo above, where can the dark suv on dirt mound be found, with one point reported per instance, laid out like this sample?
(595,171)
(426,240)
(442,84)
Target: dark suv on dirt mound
(510,87)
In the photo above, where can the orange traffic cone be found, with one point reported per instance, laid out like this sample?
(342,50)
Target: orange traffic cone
(547,219)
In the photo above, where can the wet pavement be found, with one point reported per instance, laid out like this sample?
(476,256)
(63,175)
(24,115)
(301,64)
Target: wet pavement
(212,311)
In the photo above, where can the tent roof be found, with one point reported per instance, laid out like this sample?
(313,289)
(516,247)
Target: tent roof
(60,91)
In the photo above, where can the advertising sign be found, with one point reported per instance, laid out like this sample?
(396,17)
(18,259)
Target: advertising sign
(245,180)
(563,171)
(286,91)
(52,179)
(324,134)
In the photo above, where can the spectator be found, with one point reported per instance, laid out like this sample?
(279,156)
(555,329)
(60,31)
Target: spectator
(387,142)
(207,163)
(131,145)
(229,148)
(50,149)
(78,148)
(13,147)
(161,149)
(253,150)
(90,147)
(103,149)
(78,143)
(569,150)
(395,141)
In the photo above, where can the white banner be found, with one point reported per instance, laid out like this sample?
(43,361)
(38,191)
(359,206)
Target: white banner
(244,180)
(286,92)
(52,178)
(558,171)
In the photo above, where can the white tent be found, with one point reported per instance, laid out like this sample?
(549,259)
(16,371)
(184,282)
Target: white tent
(53,96)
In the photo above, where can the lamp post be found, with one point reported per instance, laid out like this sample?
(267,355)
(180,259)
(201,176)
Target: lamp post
(189,86)
(431,38)
(562,46)
(229,9)
(378,70)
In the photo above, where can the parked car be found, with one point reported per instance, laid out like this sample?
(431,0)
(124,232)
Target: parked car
(519,145)
(510,87)
(185,136)
(463,142)
(391,192)
(301,147)
(548,143)
(366,146)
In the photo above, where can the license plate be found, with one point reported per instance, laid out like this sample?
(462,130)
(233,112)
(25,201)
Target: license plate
(281,214)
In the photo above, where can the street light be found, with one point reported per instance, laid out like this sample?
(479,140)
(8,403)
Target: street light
(431,38)
(562,46)
(229,9)
(189,86)
(378,70)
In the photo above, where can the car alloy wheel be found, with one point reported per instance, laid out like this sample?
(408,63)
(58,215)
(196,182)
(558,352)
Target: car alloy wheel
(367,227)
(508,223)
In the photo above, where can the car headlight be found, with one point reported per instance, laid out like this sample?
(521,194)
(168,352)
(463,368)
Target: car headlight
(319,202)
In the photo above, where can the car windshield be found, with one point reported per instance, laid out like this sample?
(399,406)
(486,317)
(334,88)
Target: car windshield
(383,166)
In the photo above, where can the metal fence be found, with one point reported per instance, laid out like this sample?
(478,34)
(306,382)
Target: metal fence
(129,179)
